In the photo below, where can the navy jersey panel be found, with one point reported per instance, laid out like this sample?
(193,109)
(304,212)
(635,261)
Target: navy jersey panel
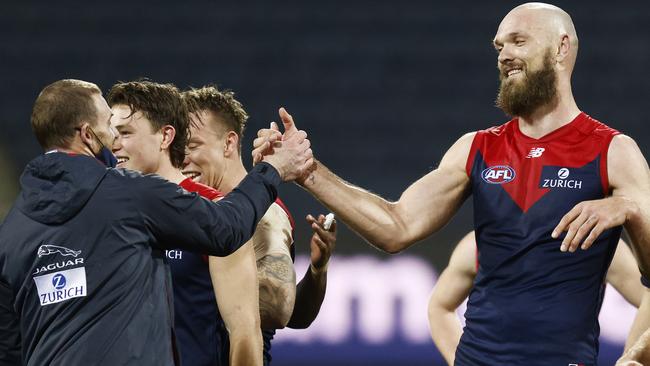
(531,303)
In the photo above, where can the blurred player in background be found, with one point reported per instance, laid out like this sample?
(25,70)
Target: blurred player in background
(153,126)
(456,281)
(550,169)
(214,159)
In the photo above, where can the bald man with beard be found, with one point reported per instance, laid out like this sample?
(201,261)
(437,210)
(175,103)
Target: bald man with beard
(548,182)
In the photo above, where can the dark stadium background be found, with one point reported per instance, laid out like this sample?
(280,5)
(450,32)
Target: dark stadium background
(382,88)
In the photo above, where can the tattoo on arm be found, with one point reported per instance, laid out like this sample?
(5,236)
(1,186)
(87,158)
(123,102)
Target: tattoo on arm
(277,280)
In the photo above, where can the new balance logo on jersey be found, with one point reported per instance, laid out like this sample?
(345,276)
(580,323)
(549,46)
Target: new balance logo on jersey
(535,152)
(44,250)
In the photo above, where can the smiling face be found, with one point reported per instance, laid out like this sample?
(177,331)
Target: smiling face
(137,146)
(205,161)
(526,63)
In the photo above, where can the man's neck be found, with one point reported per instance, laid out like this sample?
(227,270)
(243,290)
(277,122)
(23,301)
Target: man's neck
(76,147)
(550,117)
(234,174)
(169,172)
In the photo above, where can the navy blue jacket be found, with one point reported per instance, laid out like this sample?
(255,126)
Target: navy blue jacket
(83,276)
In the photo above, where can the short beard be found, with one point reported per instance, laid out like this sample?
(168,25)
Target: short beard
(537,89)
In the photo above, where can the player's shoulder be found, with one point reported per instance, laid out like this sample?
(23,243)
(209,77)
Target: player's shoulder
(277,214)
(285,209)
(497,130)
(623,151)
(595,127)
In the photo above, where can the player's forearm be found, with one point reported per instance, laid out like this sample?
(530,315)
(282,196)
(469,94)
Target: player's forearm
(246,348)
(446,331)
(371,216)
(310,294)
(638,227)
(641,321)
(639,352)
(277,289)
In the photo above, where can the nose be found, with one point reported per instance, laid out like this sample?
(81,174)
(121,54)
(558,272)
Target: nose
(186,161)
(505,55)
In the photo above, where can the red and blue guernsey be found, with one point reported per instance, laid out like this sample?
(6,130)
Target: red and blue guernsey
(531,303)
(197,320)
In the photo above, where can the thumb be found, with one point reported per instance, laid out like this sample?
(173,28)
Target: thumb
(287,120)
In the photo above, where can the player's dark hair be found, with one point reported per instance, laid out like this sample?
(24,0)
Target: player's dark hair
(60,108)
(220,102)
(162,105)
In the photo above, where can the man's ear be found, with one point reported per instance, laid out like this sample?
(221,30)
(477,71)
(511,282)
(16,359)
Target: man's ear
(87,136)
(564,48)
(168,133)
(231,144)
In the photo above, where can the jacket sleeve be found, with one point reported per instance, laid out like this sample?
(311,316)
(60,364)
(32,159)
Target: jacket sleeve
(10,352)
(183,220)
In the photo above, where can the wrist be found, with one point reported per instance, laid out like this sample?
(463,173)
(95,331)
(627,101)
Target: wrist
(317,271)
(275,166)
(633,210)
(309,179)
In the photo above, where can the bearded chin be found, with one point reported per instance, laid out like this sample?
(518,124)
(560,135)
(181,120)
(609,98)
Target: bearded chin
(537,89)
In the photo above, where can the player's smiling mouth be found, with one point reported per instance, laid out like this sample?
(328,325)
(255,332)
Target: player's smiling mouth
(121,159)
(508,72)
(193,175)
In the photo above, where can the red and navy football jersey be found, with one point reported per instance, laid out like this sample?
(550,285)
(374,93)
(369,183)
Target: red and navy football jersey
(532,304)
(197,321)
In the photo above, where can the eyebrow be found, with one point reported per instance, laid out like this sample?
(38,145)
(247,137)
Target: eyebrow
(122,127)
(511,35)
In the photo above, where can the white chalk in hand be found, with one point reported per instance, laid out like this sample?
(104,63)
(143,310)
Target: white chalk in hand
(329,219)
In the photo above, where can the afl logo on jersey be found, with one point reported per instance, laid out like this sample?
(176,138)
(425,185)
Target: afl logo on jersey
(499,174)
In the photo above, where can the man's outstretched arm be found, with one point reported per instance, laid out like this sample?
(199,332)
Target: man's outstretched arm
(425,206)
